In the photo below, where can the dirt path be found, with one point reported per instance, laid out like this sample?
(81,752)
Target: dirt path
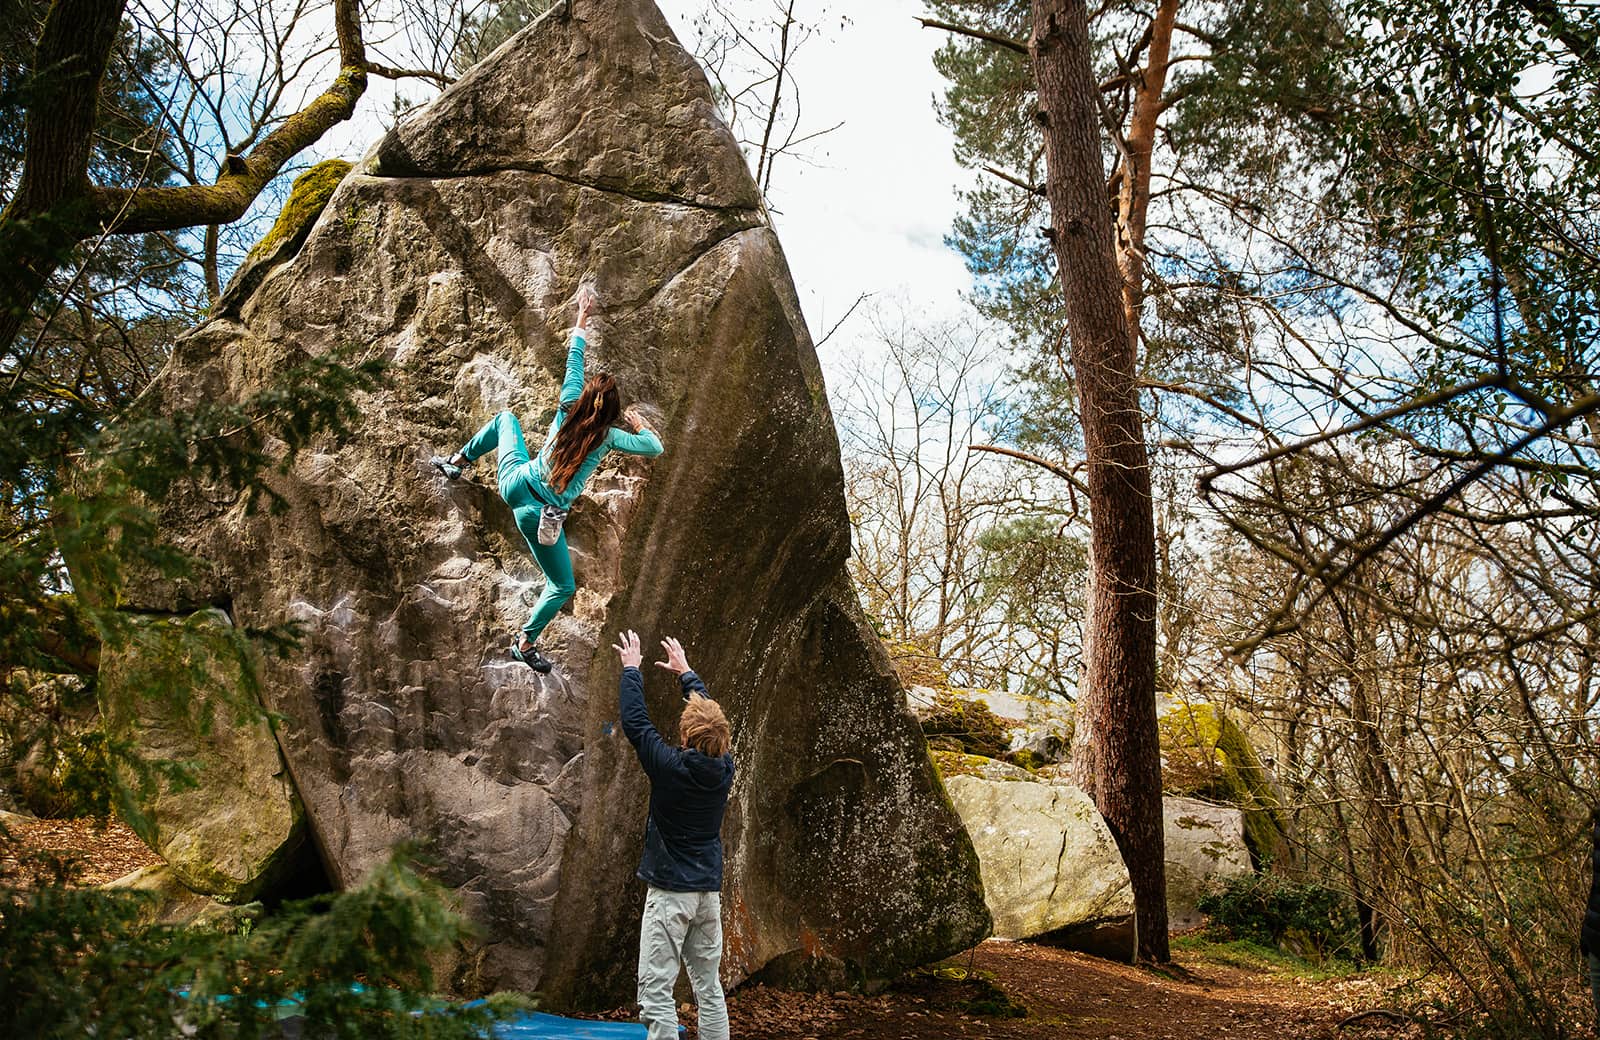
(1071,995)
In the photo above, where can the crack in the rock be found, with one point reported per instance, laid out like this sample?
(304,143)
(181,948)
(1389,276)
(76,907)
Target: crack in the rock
(1061,856)
(537,169)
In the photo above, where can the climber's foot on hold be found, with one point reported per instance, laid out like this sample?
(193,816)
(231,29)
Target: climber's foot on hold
(451,467)
(529,655)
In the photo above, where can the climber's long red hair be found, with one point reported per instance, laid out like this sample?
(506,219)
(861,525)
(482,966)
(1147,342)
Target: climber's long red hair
(588,421)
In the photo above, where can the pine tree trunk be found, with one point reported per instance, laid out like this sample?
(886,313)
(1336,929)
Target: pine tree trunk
(1116,754)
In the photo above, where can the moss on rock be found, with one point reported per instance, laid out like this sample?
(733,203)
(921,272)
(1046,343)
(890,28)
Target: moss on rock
(228,821)
(957,763)
(305,204)
(967,725)
(1207,755)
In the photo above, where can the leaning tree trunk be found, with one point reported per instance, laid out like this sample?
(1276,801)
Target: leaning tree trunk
(1116,756)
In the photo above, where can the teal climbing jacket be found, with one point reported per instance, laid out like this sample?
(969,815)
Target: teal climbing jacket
(645,442)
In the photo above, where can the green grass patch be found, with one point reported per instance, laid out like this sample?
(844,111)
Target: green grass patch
(1254,956)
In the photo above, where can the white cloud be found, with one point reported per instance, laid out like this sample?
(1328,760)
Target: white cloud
(869,212)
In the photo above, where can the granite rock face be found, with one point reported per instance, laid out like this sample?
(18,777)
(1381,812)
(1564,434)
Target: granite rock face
(587,148)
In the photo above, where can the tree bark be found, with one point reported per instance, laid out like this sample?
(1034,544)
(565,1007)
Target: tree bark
(48,215)
(1117,756)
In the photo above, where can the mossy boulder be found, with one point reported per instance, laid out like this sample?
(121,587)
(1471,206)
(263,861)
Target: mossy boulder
(1205,847)
(230,826)
(964,724)
(1025,731)
(1206,754)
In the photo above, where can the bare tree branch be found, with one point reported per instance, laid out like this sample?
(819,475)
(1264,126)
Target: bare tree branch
(1015,46)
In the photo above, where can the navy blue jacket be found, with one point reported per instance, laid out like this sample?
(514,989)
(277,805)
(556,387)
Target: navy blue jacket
(688,793)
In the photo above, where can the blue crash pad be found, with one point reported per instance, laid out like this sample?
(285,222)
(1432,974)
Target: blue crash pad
(535,1026)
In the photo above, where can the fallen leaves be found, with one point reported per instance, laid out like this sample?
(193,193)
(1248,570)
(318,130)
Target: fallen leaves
(96,853)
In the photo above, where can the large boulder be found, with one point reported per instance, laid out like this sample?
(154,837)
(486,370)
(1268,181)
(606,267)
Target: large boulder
(1051,867)
(586,148)
(1206,753)
(1048,859)
(1205,847)
(238,829)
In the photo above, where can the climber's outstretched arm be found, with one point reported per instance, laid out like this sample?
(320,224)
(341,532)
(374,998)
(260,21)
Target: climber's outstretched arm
(572,385)
(642,441)
(653,752)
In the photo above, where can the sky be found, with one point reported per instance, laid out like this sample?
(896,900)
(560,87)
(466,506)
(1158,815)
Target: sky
(868,212)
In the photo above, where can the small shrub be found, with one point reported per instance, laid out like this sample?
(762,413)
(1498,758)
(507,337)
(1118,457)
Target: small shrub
(77,962)
(1302,918)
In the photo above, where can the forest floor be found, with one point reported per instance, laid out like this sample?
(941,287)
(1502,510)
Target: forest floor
(98,853)
(1222,992)
(998,990)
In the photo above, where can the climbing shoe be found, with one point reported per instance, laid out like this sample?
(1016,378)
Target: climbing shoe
(530,657)
(550,521)
(444,465)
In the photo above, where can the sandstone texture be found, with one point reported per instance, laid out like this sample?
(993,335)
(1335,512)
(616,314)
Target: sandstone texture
(586,149)
(240,827)
(1205,847)
(1048,860)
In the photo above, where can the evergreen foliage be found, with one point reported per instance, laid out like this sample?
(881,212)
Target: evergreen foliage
(1303,918)
(78,962)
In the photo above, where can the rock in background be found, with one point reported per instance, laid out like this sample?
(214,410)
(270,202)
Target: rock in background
(585,148)
(1205,847)
(1049,861)
(1052,869)
(1206,753)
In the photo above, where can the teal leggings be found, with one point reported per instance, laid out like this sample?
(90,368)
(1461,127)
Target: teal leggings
(519,487)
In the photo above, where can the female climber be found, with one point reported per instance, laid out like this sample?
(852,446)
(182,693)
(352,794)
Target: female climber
(541,490)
